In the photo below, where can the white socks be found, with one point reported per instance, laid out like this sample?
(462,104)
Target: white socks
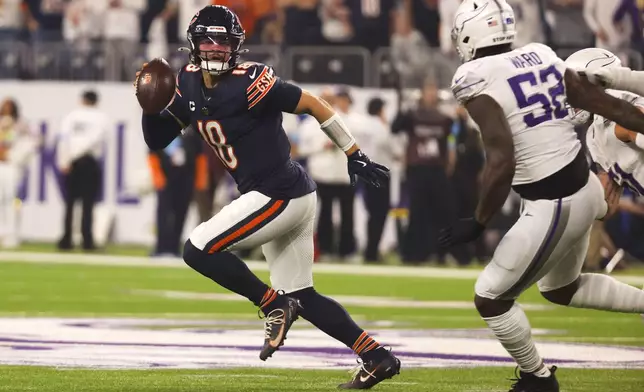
(603,292)
(595,292)
(513,331)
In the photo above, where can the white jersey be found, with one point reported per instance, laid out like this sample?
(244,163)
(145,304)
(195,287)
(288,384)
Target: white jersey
(623,161)
(528,85)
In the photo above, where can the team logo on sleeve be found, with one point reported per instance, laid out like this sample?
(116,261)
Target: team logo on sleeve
(260,87)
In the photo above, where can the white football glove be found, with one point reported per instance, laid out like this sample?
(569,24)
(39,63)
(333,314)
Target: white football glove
(602,77)
(620,78)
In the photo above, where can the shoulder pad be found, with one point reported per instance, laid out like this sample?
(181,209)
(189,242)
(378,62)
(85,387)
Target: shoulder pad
(252,71)
(541,47)
(246,67)
(469,81)
(186,72)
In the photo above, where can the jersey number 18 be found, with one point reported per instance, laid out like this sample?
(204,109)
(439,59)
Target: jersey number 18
(554,105)
(213,133)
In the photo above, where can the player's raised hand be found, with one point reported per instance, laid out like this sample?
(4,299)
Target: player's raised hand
(360,166)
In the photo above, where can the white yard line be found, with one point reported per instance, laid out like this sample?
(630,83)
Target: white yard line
(344,269)
(362,301)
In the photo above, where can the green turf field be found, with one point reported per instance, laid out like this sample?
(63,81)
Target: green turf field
(168,329)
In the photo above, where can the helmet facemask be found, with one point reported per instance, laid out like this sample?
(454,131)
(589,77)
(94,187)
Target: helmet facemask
(214,50)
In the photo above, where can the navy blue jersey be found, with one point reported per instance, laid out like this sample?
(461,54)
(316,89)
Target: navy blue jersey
(241,119)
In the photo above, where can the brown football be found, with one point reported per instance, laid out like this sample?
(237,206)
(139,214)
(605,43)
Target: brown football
(155,86)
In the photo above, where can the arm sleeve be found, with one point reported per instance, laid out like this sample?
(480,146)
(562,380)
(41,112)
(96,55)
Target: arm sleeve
(161,129)
(285,96)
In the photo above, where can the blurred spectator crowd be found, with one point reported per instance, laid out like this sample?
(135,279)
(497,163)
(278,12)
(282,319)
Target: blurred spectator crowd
(108,39)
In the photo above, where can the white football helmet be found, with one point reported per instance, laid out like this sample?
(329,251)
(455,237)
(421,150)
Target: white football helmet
(590,58)
(480,24)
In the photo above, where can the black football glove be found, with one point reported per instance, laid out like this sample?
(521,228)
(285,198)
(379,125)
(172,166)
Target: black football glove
(461,232)
(370,172)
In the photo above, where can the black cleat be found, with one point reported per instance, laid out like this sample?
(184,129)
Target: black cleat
(276,325)
(373,372)
(528,382)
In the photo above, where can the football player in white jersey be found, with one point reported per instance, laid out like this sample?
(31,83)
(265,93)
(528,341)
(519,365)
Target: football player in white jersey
(519,100)
(617,150)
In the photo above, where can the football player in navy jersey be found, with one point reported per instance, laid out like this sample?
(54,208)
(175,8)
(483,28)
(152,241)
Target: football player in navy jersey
(237,109)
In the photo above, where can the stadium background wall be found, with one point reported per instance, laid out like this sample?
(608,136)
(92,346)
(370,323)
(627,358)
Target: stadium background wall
(126,178)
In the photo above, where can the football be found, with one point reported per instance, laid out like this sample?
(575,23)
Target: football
(155,86)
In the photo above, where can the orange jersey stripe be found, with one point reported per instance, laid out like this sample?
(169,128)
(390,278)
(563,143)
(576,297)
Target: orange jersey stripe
(256,100)
(247,227)
(254,94)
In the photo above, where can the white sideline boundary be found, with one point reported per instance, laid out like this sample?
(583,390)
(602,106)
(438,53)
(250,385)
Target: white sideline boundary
(173,262)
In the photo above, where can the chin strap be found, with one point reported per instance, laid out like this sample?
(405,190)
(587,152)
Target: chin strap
(192,59)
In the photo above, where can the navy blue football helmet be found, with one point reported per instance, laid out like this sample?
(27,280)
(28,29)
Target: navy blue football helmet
(215,35)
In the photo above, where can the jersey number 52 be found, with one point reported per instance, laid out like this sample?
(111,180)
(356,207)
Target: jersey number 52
(213,133)
(554,105)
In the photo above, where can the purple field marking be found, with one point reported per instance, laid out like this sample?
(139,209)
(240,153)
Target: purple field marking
(415,333)
(30,348)
(325,351)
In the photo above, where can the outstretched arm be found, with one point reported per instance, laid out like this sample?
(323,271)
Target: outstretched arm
(582,94)
(497,173)
(499,156)
(359,165)
(329,121)
(618,78)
